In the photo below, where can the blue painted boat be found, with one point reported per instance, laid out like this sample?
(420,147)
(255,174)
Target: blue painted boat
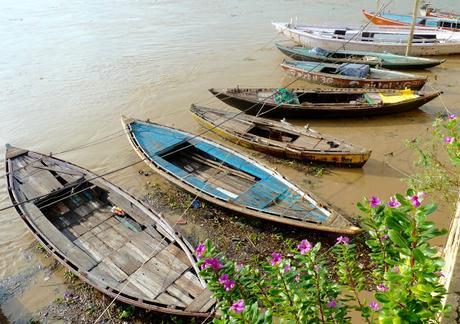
(390,19)
(229,179)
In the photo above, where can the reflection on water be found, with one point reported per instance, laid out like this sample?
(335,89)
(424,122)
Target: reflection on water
(69,70)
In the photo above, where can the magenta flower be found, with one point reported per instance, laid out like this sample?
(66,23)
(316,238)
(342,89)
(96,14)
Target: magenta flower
(374,201)
(452,116)
(223,279)
(200,249)
(382,288)
(374,306)
(396,269)
(421,195)
(213,263)
(287,267)
(304,246)
(394,203)
(229,284)
(449,140)
(332,304)
(415,201)
(384,238)
(239,266)
(276,258)
(297,278)
(238,306)
(343,239)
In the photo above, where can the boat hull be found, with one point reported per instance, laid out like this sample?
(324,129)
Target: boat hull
(76,262)
(333,44)
(342,159)
(335,224)
(343,82)
(267,109)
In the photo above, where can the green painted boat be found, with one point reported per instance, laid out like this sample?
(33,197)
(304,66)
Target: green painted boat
(386,60)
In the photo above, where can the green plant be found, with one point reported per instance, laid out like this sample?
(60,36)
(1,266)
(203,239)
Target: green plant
(301,287)
(125,312)
(70,277)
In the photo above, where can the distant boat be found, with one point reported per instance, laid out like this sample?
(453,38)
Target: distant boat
(389,19)
(106,237)
(280,138)
(229,179)
(385,60)
(348,75)
(323,103)
(426,41)
(428,11)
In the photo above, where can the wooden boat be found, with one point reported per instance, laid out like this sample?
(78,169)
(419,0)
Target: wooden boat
(348,75)
(106,237)
(389,39)
(280,138)
(427,10)
(385,60)
(389,19)
(320,103)
(229,179)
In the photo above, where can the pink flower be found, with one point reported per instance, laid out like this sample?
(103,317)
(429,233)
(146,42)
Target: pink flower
(415,201)
(343,239)
(213,263)
(332,304)
(200,249)
(287,267)
(374,201)
(276,258)
(449,140)
(297,278)
(421,195)
(223,279)
(396,269)
(229,284)
(394,203)
(382,288)
(374,306)
(452,116)
(304,246)
(239,266)
(238,306)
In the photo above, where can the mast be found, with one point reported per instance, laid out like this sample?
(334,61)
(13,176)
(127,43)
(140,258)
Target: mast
(412,27)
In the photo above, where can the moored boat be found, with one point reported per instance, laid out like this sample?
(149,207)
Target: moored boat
(426,41)
(428,11)
(385,60)
(229,179)
(323,103)
(280,138)
(106,237)
(390,19)
(349,75)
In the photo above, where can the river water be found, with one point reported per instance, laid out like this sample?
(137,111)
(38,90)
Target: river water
(70,69)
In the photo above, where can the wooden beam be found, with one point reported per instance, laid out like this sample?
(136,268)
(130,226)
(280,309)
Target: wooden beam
(412,27)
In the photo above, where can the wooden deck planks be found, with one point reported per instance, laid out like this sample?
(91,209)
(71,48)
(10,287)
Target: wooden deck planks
(200,302)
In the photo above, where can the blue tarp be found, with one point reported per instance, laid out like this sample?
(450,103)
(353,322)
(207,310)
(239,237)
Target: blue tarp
(354,70)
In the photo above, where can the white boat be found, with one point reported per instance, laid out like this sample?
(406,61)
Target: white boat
(426,41)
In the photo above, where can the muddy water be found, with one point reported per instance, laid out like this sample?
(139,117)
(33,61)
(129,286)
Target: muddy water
(68,70)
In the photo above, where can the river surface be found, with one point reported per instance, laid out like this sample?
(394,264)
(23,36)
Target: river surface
(70,69)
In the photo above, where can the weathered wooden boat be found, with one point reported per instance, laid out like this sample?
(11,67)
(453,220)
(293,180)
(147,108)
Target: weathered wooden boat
(349,75)
(280,138)
(389,39)
(427,10)
(385,60)
(321,103)
(105,236)
(229,179)
(390,19)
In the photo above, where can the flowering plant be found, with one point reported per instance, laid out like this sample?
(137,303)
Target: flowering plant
(301,286)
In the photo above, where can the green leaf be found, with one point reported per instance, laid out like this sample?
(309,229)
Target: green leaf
(397,238)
